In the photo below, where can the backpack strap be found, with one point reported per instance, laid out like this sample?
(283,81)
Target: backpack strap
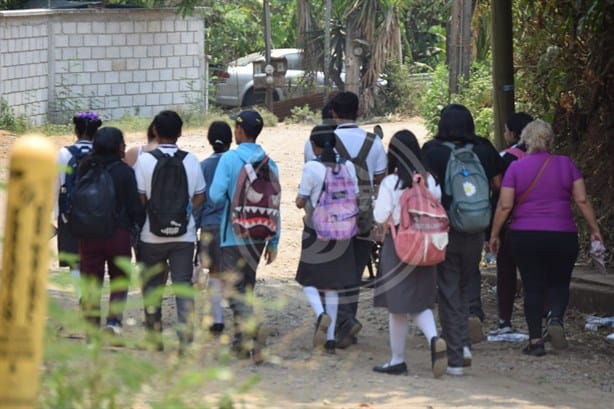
(158,154)
(364,149)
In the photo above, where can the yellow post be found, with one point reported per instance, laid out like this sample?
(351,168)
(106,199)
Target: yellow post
(25,264)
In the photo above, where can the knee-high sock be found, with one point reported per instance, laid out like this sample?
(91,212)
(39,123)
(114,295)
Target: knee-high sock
(425,320)
(397,326)
(313,296)
(216,294)
(75,273)
(331,299)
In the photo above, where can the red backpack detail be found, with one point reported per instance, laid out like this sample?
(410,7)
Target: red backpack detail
(422,235)
(255,205)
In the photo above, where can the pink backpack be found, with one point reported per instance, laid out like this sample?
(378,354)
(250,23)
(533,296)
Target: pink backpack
(515,151)
(335,216)
(422,235)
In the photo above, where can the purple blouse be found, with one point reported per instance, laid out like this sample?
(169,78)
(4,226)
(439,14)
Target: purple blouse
(548,206)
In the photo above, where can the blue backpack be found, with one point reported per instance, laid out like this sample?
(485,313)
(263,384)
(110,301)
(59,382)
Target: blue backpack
(70,180)
(465,181)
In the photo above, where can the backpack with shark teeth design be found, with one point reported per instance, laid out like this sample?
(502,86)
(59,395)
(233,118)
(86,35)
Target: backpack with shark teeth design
(255,205)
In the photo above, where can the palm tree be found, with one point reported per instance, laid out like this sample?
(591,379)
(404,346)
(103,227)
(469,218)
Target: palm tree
(365,35)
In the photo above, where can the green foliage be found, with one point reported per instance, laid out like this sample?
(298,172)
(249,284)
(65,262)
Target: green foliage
(476,95)
(9,121)
(402,91)
(424,36)
(303,115)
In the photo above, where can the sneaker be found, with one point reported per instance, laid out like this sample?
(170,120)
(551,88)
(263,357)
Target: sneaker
(216,328)
(319,335)
(113,329)
(346,331)
(505,327)
(455,371)
(397,369)
(610,338)
(536,349)
(475,330)
(329,347)
(467,357)
(556,334)
(439,356)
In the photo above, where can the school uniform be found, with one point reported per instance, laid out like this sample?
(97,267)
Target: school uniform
(324,264)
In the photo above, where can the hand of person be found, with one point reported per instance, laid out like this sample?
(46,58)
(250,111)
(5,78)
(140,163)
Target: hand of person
(270,255)
(596,236)
(494,244)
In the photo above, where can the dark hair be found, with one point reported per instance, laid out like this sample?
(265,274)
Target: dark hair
(168,125)
(219,136)
(516,123)
(327,111)
(323,136)
(399,158)
(86,124)
(456,124)
(151,136)
(108,141)
(345,105)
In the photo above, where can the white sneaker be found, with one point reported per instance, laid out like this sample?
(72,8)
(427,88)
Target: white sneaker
(113,329)
(610,338)
(467,356)
(455,371)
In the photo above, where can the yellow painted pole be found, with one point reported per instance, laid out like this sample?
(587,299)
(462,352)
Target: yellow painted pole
(25,264)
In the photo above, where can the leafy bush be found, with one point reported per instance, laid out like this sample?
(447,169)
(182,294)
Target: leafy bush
(402,91)
(476,95)
(302,115)
(9,121)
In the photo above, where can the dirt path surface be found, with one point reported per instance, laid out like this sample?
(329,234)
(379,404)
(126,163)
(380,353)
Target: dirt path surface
(295,376)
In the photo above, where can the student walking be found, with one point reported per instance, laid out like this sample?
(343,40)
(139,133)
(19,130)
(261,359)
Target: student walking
(97,252)
(403,288)
(537,191)
(326,265)
(366,151)
(466,169)
(506,267)
(246,182)
(85,125)
(170,184)
(208,220)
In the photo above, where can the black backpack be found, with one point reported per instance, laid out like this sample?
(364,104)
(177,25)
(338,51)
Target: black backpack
(70,179)
(168,206)
(93,214)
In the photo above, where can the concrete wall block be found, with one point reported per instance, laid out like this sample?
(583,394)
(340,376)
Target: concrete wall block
(140,26)
(125,77)
(145,88)
(68,53)
(125,101)
(118,65)
(139,100)
(153,26)
(173,62)
(118,89)
(118,40)
(126,52)
(112,27)
(111,77)
(84,79)
(153,76)
(132,64)
(133,39)
(84,27)
(159,87)
(159,63)
(161,38)
(166,75)
(126,27)
(112,52)
(168,25)
(99,27)
(98,52)
(75,41)
(132,88)
(180,49)
(166,51)
(147,39)
(69,27)
(181,25)
(187,37)
(187,61)
(154,51)
(90,40)
(97,78)
(105,40)
(153,99)
(172,86)
(193,49)
(104,65)
(166,99)
(84,53)
(174,38)
(104,89)
(146,63)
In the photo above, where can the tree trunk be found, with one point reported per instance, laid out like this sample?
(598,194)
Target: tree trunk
(459,49)
(503,66)
(352,62)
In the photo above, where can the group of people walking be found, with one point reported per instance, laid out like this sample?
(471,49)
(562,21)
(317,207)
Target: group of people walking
(352,192)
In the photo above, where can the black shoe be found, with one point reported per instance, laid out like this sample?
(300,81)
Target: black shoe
(439,356)
(216,328)
(329,347)
(398,369)
(534,349)
(556,334)
(346,331)
(238,347)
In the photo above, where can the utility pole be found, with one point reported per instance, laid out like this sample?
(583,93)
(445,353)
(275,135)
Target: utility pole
(267,43)
(326,49)
(459,49)
(503,65)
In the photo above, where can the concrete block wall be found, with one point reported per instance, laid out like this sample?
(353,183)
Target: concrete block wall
(114,61)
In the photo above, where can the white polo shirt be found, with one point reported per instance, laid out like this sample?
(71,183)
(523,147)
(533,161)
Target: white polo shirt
(312,179)
(143,170)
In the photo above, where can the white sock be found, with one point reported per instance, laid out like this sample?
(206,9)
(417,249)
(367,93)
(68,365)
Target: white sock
(313,296)
(398,327)
(75,273)
(332,302)
(425,320)
(216,289)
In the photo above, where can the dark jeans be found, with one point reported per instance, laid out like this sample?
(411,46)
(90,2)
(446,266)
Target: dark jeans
(94,255)
(545,260)
(348,305)
(179,256)
(506,277)
(454,276)
(239,264)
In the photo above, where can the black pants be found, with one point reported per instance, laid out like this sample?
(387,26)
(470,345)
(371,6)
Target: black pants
(545,260)
(348,307)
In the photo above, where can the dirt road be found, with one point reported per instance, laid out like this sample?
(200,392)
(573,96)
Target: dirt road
(294,376)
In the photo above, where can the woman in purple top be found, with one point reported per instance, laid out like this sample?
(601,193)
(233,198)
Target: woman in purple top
(537,190)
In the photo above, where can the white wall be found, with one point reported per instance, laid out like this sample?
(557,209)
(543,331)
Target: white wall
(114,61)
